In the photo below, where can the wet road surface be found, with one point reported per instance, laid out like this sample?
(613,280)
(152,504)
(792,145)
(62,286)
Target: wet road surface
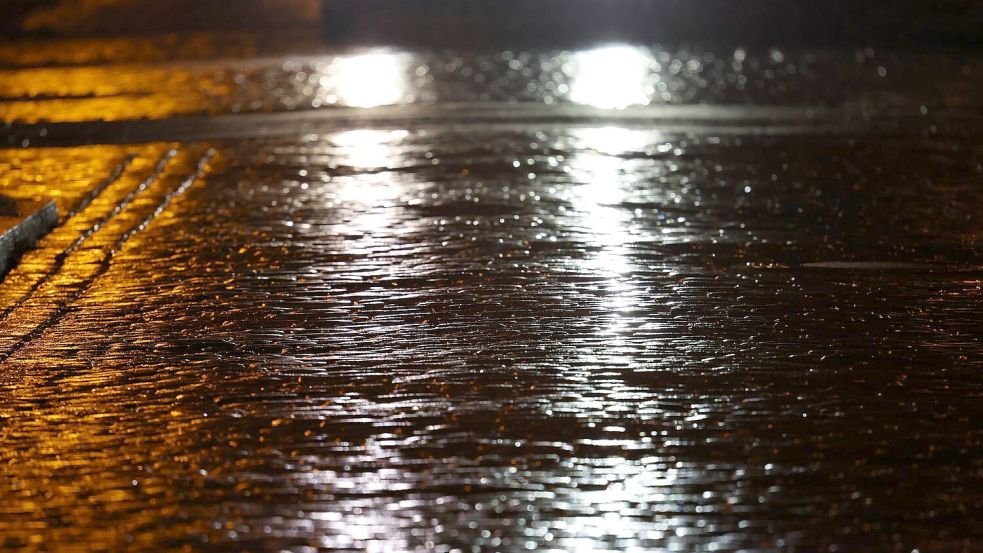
(607,333)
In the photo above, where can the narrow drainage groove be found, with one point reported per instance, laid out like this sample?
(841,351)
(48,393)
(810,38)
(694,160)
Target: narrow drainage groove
(59,260)
(107,260)
(97,191)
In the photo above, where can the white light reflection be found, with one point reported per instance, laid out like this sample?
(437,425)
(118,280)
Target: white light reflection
(617,516)
(602,172)
(602,224)
(367,197)
(367,148)
(366,80)
(369,510)
(387,524)
(612,77)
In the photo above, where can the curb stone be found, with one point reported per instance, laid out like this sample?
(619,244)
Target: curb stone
(22,224)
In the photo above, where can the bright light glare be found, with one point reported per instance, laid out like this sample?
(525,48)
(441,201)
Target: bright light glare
(612,77)
(367,80)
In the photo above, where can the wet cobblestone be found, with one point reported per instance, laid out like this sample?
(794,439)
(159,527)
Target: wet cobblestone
(515,336)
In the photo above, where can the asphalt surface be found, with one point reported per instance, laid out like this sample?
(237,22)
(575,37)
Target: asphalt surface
(461,301)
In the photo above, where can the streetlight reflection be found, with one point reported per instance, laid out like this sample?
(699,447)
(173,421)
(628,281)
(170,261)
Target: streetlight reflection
(368,194)
(368,148)
(605,184)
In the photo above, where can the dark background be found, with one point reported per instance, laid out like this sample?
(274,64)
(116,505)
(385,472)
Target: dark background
(914,23)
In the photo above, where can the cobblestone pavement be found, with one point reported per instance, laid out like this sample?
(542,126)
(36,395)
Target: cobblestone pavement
(453,301)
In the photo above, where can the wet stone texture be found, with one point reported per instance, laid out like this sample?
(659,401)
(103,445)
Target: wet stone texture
(505,337)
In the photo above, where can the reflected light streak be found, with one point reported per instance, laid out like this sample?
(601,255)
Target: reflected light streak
(616,141)
(636,483)
(366,80)
(605,221)
(368,149)
(604,187)
(612,77)
(368,196)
